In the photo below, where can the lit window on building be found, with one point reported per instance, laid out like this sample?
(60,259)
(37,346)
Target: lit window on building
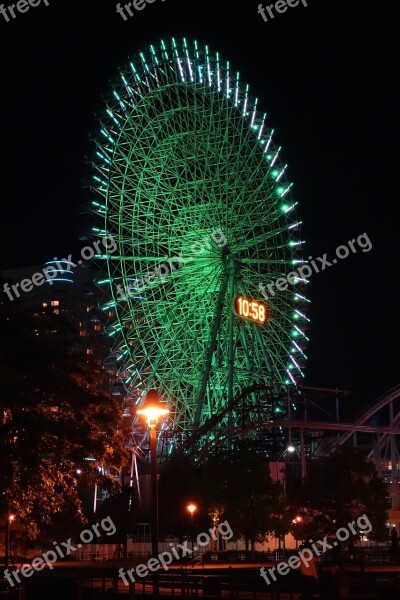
(56,311)
(89,351)
(45,305)
(55,303)
(97,326)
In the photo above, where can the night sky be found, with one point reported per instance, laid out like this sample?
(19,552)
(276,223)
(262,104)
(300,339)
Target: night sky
(327,75)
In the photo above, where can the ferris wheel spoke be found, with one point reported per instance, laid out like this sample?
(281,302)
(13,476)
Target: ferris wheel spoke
(260,238)
(173,309)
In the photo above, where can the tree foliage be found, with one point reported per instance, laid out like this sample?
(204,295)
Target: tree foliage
(180,484)
(337,490)
(238,483)
(54,416)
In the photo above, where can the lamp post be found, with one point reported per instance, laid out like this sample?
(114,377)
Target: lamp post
(290,449)
(191,508)
(296,521)
(152,409)
(9,520)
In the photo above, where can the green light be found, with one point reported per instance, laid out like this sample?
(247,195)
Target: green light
(120,357)
(176,310)
(109,305)
(99,205)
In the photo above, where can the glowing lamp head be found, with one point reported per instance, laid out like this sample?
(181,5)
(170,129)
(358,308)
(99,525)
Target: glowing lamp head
(11,518)
(297,520)
(152,409)
(291,448)
(191,508)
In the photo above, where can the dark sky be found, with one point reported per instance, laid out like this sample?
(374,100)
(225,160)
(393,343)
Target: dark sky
(327,75)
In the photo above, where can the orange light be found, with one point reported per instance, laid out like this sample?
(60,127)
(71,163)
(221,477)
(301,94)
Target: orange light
(152,409)
(191,508)
(297,519)
(11,518)
(251,310)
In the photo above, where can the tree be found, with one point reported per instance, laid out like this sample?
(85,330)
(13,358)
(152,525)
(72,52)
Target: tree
(180,484)
(337,490)
(238,483)
(121,507)
(54,417)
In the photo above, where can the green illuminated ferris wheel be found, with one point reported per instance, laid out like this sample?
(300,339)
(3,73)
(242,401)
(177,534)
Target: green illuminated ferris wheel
(191,186)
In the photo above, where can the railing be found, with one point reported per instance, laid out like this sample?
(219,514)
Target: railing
(377,554)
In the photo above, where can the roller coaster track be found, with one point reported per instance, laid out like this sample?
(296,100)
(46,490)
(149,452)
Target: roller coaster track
(372,409)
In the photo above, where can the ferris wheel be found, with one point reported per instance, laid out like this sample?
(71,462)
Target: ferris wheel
(191,186)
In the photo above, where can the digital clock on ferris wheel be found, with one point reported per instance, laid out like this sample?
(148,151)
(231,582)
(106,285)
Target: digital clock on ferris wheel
(251,310)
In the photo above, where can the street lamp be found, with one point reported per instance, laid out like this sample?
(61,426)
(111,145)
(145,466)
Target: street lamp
(296,521)
(191,508)
(152,409)
(290,449)
(9,519)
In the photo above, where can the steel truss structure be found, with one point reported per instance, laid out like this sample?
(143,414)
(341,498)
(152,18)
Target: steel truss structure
(314,432)
(191,186)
